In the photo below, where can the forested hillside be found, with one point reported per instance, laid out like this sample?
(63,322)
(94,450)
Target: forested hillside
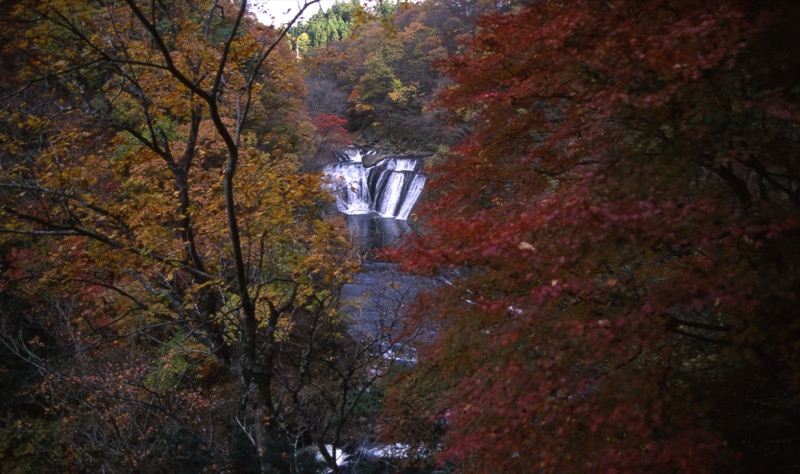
(332,25)
(382,77)
(608,238)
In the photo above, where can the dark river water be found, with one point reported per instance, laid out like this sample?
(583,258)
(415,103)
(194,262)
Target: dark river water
(377,200)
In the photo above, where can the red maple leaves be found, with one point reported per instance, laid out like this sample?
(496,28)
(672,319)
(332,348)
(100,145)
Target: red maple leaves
(624,218)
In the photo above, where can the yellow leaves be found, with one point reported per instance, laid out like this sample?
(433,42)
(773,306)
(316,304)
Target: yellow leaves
(31,123)
(284,323)
(180,359)
(244,48)
(362,108)
(130,188)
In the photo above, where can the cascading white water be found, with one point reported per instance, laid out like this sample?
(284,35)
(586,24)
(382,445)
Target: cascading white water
(390,188)
(353,154)
(350,182)
(391,194)
(412,192)
(403,164)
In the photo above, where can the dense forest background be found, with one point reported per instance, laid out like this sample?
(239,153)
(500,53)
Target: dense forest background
(609,236)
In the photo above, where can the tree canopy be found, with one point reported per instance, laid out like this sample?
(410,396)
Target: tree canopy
(157,231)
(334,24)
(622,221)
(383,76)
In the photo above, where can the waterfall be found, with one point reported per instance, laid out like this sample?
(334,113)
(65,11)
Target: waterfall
(412,191)
(350,183)
(389,189)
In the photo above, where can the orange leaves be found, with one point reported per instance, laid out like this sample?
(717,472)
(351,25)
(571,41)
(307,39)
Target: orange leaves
(154,187)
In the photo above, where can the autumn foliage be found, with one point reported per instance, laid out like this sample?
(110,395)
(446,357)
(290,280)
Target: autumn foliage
(330,134)
(381,76)
(619,240)
(614,240)
(160,237)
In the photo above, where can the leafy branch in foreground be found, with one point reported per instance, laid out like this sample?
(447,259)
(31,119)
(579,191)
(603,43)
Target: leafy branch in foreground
(144,182)
(624,214)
